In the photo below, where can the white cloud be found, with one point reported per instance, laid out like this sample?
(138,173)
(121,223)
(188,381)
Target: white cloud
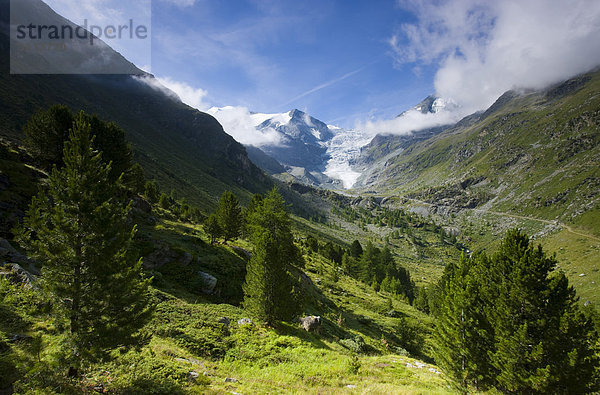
(181,3)
(485,48)
(193,97)
(238,123)
(410,121)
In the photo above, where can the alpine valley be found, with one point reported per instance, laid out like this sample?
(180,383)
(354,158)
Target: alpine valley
(460,257)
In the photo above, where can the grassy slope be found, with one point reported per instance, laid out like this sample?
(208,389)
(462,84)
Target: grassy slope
(186,337)
(185,334)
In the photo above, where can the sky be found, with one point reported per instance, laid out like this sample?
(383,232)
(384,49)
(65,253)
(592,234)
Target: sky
(358,64)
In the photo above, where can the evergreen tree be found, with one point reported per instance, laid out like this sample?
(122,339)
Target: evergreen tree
(368,262)
(270,290)
(229,213)
(462,333)
(134,179)
(213,228)
(151,192)
(164,202)
(256,201)
(544,343)
(512,322)
(312,243)
(422,300)
(79,232)
(356,249)
(47,131)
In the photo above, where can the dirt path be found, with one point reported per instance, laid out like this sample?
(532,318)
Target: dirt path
(545,221)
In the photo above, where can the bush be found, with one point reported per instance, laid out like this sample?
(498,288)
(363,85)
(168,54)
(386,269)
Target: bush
(356,344)
(142,373)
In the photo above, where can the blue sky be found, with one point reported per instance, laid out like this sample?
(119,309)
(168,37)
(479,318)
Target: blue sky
(330,58)
(354,63)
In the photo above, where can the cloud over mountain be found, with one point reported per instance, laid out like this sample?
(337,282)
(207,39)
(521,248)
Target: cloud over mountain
(485,48)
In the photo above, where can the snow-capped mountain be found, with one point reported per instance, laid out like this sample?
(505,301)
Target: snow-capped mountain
(432,105)
(310,150)
(303,139)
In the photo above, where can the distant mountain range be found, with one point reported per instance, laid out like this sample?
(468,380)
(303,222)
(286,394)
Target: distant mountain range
(306,149)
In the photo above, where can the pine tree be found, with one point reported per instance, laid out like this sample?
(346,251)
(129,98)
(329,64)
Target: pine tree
(47,131)
(79,232)
(213,228)
(270,290)
(229,213)
(151,192)
(512,322)
(356,249)
(462,333)
(163,201)
(544,343)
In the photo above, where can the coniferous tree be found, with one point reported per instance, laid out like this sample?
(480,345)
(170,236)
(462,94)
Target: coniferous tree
(368,262)
(164,201)
(462,333)
(213,228)
(513,323)
(270,290)
(79,232)
(256,201)
(47,131)
(151,191)
(229,213)
(356,249)
(543,342)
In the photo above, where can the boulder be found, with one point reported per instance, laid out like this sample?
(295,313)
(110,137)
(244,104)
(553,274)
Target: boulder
(142,205)
(242,252)
(208,282)
(16,273)
(245,321)
(160,256)
(192,376)
(311,323)
(224,320)
(9,254)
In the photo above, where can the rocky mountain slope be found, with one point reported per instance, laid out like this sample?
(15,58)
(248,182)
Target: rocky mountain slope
(184,149)
(531,153)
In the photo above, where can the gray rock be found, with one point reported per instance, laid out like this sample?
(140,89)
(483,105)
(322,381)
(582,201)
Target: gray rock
(311,323)
(245,321)
(9,254)
(224,320)
(192,376)
(208,283)
(160,256)
(142,205)
(16,273)
(18,337)
(230,380)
